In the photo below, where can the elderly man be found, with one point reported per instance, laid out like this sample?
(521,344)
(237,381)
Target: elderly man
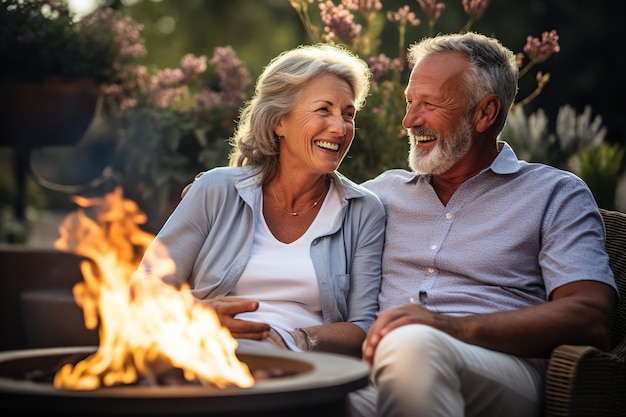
(489,262)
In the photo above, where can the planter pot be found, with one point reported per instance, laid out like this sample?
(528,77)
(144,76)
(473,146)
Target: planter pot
(37,308)
(54,112)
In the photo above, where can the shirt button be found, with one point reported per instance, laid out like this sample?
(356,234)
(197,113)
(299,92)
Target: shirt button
(431,270)
(448,216)
(433,247)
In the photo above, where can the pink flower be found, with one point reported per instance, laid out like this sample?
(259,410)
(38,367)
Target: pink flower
(431,9)
(367,8)
(165,97)
(167,78)
(127,32)
(403,16)
(379,66)
(234,76)
(128,103)
(207,99)
(475,8)
(192,65)
(300,4)
(339,22)
(540,50)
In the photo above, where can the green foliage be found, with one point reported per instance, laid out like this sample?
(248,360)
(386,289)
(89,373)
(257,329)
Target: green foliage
(41,39)
(159,148)
(599,167)
(380,142)
(13,230)
(167,124)
(577,145)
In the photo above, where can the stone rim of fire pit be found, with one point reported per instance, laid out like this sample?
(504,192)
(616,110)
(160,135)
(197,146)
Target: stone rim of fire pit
(319,377)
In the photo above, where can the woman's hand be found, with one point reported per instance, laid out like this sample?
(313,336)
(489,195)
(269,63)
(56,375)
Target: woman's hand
(227,308)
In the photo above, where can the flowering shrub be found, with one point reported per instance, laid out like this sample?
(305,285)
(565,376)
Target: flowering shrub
(156,127)
(168,124)
(358,24)
(578,143)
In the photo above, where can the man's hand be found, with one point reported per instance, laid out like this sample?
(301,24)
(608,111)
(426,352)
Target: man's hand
(400,316)
(188,186)
(579,314)
(227,308)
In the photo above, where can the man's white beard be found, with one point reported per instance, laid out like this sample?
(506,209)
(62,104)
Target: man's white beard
(445,154)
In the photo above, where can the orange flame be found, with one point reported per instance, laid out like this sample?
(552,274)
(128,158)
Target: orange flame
(146,327)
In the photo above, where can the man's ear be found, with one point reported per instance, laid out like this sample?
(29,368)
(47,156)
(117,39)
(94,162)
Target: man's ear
(487,112)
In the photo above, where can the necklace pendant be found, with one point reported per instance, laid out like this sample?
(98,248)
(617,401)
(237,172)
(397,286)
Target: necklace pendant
(294,213)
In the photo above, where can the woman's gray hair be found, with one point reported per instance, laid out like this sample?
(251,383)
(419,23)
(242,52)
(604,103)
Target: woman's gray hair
(277,91)
(493,68)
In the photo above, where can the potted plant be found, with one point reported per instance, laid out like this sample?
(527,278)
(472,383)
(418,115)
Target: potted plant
(161,125)
(53,65)
(51,74)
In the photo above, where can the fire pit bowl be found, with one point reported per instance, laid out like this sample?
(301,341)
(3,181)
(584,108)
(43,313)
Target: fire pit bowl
(313,383)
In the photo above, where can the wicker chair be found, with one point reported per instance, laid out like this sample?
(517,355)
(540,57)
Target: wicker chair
(582,380)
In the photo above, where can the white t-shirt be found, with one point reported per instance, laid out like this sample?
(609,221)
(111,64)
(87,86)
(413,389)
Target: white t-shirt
(281,276)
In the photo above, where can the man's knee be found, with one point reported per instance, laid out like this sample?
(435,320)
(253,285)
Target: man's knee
(411,342)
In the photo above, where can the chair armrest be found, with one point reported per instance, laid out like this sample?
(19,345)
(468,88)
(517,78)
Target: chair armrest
(585,381)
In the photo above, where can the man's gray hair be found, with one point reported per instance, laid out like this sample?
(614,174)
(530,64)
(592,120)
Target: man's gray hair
(493,68)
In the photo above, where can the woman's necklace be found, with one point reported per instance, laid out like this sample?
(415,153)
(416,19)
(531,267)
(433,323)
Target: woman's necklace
(293,213)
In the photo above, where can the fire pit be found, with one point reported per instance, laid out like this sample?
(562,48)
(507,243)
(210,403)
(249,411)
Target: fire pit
(161,351)
(313,383)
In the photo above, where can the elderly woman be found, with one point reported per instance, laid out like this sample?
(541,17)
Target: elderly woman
(283,247)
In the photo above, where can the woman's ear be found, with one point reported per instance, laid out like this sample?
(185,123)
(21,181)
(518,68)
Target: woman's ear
(487,112)
(278,127)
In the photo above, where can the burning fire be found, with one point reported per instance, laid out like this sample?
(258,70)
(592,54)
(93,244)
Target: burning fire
(146,326)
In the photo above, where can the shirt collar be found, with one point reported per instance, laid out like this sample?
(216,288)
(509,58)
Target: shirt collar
(506,162)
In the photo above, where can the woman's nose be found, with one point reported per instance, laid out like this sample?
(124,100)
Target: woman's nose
(339,125)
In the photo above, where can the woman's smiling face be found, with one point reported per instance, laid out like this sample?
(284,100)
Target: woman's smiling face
(318,131)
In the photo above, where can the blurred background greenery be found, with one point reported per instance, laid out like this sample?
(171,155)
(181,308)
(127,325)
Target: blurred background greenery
(586,84)
(587,71)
